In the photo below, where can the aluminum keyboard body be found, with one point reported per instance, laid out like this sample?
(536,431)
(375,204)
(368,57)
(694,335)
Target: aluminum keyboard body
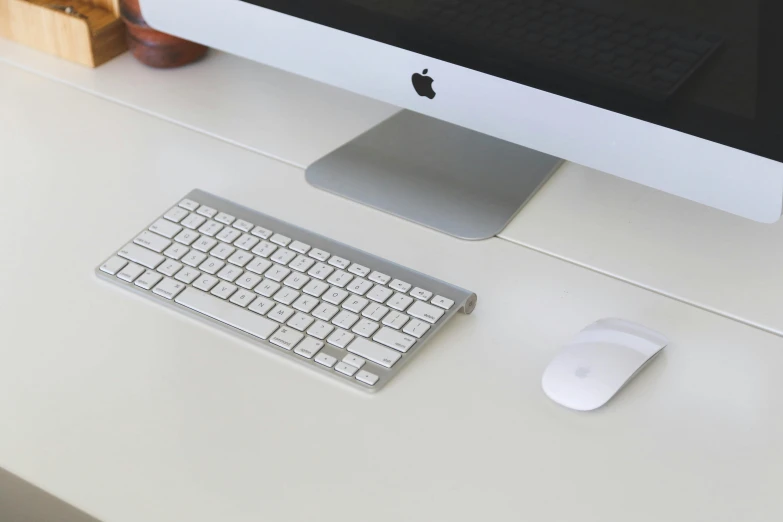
(332,307)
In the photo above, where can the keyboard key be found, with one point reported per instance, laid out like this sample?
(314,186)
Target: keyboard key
(176,251)
(229,273)
(223,290)
(206,211)
(280,313)
(130,272)
(365,328)
(248,280)
(339,278)
(228,313)
(169,288)
(280,239)
(188,204)
(165,228)
(141,255)
(396,320)
(258,265)
(318,254)
(425,311)
(345,320)
(399,302)
(176,214)
(374,352)
(421,294)
(264,249)
(243,298)
(212,265)
(339,262)
(261,305)
(340,338)
(308,347)
(379,294)
(206,282)
(367,377)
(224,218)
(283,256)
(346,368)
(300,321)
(416,328)
(334,296)
(193,221)
(442,302)
(194,258)
(375,312)
(148,279)
(277,273)
(325,311)
(210,228)
(321,271)
(169,267)
(205,244)
(301,263)
(320,330)
(394,339)
(286,295)
(305,303)
(400,286)
(263,233)
(359,286)
(315,288)
(325,359)
(381,279)
(296,280)
(228,235)
(152,241)
(243,225)
(357,269)
(355,304)
(240,258)
(113,265)
(267,288)
(354,360)
(298,246)
(186,237)
(246,242)
(187,275)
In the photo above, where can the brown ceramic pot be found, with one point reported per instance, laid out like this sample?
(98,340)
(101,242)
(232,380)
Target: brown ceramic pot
(154,48)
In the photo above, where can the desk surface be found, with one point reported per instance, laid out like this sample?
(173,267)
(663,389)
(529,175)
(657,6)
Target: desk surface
(132,412)
(701,256)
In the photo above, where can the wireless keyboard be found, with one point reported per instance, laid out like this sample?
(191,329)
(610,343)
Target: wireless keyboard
(332,307)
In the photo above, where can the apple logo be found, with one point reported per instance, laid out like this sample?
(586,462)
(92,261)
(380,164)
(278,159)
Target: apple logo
(582,372)
(423,84)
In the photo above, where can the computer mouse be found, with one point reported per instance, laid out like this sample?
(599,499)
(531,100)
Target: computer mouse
(600,360)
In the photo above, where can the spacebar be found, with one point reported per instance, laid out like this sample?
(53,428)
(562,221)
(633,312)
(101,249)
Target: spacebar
(226,312)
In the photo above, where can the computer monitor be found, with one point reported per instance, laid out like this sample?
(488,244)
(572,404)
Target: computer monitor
(684,96)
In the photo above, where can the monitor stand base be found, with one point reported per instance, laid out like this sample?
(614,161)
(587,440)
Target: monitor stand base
(437,174)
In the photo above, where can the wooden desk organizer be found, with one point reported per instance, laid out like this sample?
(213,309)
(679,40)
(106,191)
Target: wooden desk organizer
(91,39)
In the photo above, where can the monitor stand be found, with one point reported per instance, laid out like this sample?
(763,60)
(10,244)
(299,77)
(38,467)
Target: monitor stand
(437,174)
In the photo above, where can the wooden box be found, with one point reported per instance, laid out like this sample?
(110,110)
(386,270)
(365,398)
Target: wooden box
(5,20)
(93,37)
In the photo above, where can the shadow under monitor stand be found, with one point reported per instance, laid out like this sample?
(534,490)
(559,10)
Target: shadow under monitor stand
(437,174)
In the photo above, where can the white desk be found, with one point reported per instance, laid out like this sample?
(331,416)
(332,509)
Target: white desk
(131,412)
(695,254)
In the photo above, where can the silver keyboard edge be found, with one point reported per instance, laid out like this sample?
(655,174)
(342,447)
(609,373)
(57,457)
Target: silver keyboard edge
(464,300)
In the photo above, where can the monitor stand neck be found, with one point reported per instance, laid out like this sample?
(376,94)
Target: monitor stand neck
(437,174)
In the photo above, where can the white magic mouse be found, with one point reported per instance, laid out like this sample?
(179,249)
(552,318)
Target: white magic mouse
(600,360)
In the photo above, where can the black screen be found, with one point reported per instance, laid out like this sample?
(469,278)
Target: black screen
(710,68)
